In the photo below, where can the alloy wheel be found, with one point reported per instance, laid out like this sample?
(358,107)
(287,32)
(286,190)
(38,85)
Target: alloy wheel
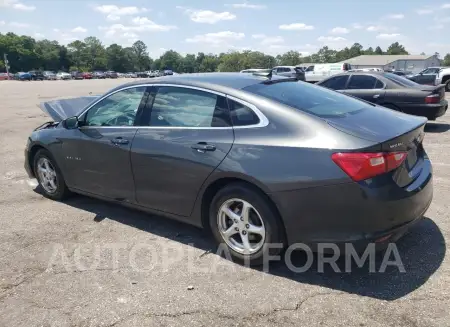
(241,226)
(47,175)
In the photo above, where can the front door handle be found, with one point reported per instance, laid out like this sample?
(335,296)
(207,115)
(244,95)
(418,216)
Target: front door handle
(119,141)
(203,147)
(376,96)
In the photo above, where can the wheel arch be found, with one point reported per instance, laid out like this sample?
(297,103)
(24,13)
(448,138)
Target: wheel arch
(210,190)
(32,153)
(445,78)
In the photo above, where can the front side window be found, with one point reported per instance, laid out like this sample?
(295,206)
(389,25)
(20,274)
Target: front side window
(336,83)
(361,82)
(118,109)
(310,69)
(186,107)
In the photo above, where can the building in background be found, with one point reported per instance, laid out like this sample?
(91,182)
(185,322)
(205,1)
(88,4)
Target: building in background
(407,63)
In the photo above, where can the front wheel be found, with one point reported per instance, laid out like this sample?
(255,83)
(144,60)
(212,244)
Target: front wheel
(49,176)
(241,219)
(447,86)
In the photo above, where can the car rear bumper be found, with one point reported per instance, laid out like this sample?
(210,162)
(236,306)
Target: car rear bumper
(352,212)
(431,111)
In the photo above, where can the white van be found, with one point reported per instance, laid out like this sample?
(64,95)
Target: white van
(316,73)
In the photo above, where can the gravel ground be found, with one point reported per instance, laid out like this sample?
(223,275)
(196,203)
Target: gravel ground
(71,264)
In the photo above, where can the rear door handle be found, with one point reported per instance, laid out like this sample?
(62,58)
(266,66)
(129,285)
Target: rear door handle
(376,96)
(203,147)
(119,141)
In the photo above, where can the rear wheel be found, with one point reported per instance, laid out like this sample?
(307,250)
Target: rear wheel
(49,176)
(241,218)
(447,86)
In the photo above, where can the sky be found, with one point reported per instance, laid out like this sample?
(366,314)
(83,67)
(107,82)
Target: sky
(215,26)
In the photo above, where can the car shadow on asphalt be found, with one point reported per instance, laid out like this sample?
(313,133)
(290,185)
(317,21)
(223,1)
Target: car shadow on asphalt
(422,251)
(436,127)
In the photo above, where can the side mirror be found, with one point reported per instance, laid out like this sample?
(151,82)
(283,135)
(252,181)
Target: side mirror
(71,122)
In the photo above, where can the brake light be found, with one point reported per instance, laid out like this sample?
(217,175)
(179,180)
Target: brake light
(361,166)
(434,98)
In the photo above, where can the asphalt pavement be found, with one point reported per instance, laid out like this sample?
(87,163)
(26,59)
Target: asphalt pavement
(85,262)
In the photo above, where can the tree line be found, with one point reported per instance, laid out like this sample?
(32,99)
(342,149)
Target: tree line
(25,54)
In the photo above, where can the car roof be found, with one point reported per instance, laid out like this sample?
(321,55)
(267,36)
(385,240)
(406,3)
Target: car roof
(214,81)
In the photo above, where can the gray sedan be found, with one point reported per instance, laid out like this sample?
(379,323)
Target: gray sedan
(256,160)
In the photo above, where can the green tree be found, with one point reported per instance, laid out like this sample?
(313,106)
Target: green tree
(446,61)
(290,58)
(141,58)
(396,49)
(76,51)
(94,54)
(378,51)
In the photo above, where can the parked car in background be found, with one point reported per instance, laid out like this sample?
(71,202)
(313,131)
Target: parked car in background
(77,75)
(63,76)
(252,70)
(131,75)
(289,71)
(98,75)
(168,72)
(49,75)
(87,75)
(36,75)
(366,70)
(22,76)
(443,77)
(3,76)
(319,72)
(426,76)
(220,148)
(111,74)
(391,91)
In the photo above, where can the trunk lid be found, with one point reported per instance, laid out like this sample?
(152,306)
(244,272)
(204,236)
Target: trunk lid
(391,131)
(61,109)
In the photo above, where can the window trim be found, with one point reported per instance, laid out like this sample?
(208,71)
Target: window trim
(263,121)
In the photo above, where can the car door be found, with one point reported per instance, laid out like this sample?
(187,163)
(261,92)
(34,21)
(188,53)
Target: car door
(426,76)
(188,135)
(366,87)
(97,154)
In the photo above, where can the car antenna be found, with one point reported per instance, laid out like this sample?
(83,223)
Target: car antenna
(267,74)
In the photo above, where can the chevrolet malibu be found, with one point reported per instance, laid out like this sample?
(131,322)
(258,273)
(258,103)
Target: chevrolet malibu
(254,159)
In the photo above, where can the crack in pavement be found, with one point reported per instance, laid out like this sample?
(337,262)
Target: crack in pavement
(221,315)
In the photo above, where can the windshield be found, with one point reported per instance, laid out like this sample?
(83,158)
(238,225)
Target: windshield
(313,99)
(400,80)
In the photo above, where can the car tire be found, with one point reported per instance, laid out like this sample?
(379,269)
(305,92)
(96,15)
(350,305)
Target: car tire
(447,86)
(49,176)
(260,227)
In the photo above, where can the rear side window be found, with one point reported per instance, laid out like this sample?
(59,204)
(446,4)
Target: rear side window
(185,107)
(361,82)
(379,84)
(310,69)
(242,115)
(313,99)
(336,83)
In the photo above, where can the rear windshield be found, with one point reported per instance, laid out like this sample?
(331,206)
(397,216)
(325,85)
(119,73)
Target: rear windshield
(400,80)
(313,99)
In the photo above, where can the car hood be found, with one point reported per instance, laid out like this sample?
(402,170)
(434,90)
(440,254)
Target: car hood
(65,108)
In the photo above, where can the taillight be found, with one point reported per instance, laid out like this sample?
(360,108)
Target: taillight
(361,166)
(434,98)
